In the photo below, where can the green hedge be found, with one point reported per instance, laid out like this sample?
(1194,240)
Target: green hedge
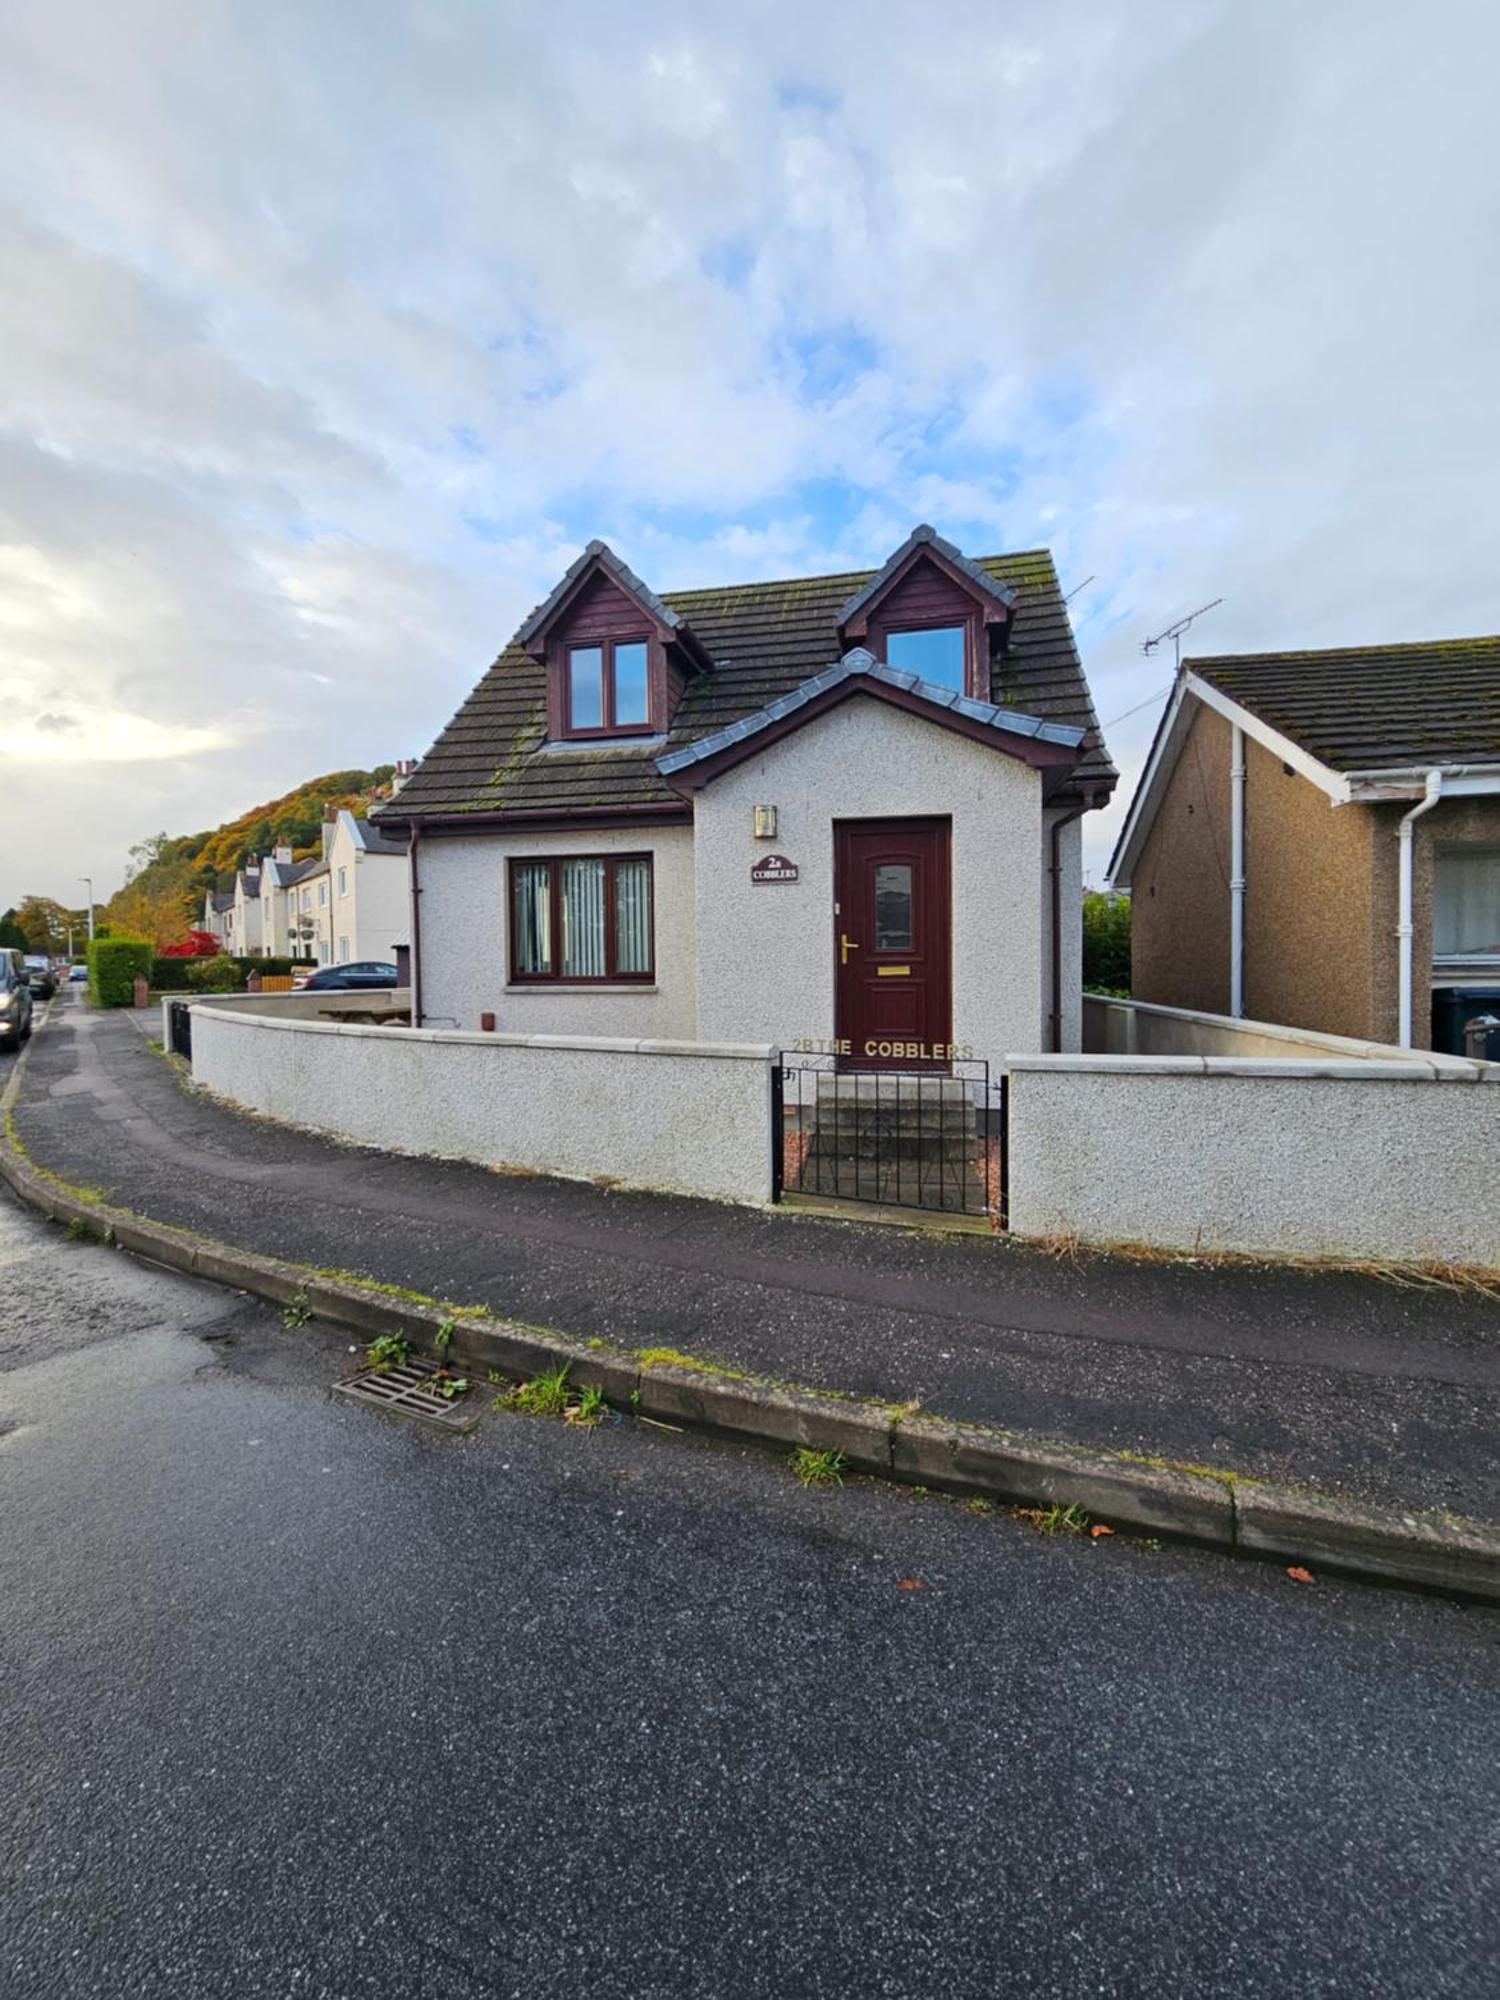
(185,975)
(114,964)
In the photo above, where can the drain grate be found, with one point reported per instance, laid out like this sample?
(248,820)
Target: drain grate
(405,1391)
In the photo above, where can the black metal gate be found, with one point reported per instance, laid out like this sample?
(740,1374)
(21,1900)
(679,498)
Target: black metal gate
(927,1139)
(180,1028)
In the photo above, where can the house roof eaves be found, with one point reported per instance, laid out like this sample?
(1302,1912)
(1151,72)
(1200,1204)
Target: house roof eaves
(859,665)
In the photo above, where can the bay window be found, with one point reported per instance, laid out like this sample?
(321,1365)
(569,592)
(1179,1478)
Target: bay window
(607,688)
(584,918)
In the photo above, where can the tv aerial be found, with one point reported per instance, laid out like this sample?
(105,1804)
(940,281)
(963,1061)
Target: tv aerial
(1175,632)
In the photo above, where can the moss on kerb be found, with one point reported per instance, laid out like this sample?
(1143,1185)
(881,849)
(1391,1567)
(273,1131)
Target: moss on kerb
(79,1190)
(404,1292)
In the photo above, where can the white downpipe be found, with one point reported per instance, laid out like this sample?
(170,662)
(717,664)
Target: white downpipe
(1404,900)
(1237,872)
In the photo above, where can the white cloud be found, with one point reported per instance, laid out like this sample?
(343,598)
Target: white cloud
(323,345)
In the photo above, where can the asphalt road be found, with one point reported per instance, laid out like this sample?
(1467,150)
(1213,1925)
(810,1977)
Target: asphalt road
(297,1699)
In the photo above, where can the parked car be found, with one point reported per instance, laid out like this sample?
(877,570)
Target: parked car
(77,974)
(39,972)
(15,999)
(364,973)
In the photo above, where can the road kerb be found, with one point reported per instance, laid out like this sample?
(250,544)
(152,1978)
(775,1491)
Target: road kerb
(1153,1499)
(1430,1551)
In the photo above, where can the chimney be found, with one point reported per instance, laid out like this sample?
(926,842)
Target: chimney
(330,821)
(404,768)
(282,853)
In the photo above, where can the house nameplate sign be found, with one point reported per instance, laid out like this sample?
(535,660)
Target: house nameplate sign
(774,868)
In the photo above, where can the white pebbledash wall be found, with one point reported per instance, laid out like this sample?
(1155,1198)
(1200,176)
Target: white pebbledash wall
(465,943)
(686,1116)
(765,964)
(1372,1159)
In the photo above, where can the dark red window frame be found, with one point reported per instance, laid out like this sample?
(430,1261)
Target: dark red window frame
(976,649)
(606,647)
(557,977)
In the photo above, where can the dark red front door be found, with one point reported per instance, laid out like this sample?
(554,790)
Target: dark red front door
(893,956)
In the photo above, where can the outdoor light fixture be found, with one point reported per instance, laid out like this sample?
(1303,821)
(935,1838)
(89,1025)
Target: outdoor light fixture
(765,822)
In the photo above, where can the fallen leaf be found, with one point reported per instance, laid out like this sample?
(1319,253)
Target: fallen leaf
(1300,1575)
(1099,1529)
(910,1583)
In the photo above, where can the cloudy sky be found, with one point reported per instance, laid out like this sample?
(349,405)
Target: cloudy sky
(330,329)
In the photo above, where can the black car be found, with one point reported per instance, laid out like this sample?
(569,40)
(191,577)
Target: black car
(364,973)
(43,979)
(15,1000)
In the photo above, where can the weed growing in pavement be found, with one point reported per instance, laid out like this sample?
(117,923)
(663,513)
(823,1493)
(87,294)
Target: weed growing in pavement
(1055,1520)
(979,1505)
(386,1352)
(296,1311)
(588,1410)
(78,1230)
(449,1387)
(108,1238)
(817,1468)
(443,1338)
(545,1395)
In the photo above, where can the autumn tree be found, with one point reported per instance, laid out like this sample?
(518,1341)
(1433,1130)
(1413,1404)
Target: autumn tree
(47,923)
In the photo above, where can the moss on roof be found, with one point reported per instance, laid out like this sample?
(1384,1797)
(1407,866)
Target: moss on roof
(764,640)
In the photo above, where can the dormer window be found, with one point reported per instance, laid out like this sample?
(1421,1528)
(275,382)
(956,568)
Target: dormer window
(934,653)
(933,613)
(617,657)
(608,688)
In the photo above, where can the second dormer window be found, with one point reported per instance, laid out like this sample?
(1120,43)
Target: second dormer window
(933,652)
(608,688)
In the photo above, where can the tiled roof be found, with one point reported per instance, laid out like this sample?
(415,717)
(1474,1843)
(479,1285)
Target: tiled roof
(1368,708)
(765,640)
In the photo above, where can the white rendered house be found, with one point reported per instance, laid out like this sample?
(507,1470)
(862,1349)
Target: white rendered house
(838,813)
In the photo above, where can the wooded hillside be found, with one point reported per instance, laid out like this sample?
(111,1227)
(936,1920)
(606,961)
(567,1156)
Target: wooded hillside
(169,873)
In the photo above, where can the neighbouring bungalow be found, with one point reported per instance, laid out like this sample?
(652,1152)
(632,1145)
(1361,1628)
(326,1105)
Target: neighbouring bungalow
(840,812)
(1315,841)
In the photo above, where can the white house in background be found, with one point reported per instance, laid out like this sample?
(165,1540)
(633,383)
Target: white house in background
(368,901)
(217,903)
(351,902)
(840,812)
(244,921)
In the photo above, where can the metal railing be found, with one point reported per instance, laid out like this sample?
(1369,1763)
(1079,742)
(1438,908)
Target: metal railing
(180,1028)
(930,1139)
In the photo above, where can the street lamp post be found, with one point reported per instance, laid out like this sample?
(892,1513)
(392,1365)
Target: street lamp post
(88,883)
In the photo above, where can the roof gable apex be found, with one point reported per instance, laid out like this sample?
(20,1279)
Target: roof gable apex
(925,543)
(599,559)
(1028,738)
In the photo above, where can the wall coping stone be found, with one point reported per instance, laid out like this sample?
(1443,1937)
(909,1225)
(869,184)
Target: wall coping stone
(473,1038)
(1278,1031)
(1263,1069)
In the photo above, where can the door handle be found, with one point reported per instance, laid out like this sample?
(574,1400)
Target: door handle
(846,945)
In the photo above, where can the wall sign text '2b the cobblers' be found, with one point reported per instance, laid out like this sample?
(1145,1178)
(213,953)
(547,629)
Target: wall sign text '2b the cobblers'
(774,868)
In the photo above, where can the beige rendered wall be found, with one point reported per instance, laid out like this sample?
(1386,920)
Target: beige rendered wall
(1179,902)
(1309,904)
